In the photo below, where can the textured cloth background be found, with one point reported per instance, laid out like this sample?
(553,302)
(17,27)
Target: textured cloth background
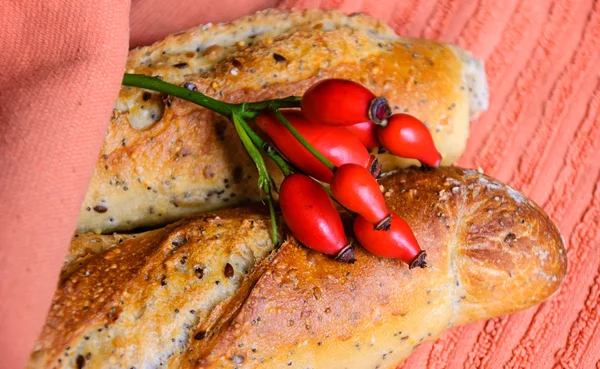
(61,64)
(60,72)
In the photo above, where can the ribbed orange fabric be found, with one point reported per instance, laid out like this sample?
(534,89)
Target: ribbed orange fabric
(60,68)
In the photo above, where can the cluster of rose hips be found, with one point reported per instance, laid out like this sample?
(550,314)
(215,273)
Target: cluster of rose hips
(340,120)
(327,140)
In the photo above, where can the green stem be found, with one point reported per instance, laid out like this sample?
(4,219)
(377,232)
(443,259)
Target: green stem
(301,139)
(244,110)
(264,178)
(155,84)
(287,102)
(273,217)
(285,167)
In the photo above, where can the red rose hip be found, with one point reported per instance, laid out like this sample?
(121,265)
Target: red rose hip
(355,188)
(398,243)
(341,102)
(406,136)
(335,143)
(312,217)
(366,132)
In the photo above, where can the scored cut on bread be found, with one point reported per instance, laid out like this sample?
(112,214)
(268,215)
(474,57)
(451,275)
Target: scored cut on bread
(165,158)
(211,291)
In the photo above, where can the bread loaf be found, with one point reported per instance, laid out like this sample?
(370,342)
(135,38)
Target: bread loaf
(211,292)
(163,160)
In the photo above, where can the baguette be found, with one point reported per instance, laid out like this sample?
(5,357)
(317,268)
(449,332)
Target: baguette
(211,292)
(161,161)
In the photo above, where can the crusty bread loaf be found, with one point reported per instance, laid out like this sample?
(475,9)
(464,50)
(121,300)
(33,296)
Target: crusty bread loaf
(210,291)
(161,161)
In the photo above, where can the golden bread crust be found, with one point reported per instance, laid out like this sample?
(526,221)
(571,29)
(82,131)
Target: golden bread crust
(482,262)
(490,252)
(147,292)
(161,161)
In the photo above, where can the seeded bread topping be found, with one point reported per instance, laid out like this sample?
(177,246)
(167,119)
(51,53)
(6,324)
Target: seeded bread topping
(212,292)
(164,158)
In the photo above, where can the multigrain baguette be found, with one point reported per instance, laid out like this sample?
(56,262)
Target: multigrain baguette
(210,291)
(161,161)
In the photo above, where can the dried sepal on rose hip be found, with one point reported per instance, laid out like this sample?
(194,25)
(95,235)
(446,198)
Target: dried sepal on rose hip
(406,136)
(356,189)
(312,218)
(398,243)
(335,143)
(366,132)
(341,102)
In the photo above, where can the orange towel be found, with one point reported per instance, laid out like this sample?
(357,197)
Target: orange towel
(60,70)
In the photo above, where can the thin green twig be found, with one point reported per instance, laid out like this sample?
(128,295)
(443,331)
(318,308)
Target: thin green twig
(244,110)
(155,84)
(285,167)
(264,178)
(286,102)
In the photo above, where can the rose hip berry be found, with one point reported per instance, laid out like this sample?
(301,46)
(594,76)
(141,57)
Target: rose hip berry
(335,143)
(406,136)
(341,102)
(356,189)
(366,132)
(398,243)
(312,217)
